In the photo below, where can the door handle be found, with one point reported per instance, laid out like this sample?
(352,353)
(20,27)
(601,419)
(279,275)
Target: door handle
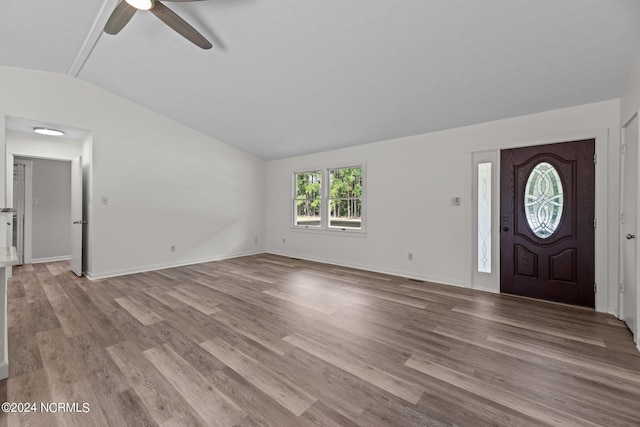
(631,236)
(80,222)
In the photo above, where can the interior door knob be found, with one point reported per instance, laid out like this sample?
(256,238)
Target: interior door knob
(631,236)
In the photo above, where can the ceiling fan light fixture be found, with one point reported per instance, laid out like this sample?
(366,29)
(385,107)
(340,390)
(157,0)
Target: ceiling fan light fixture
(125,10)
(141,4)
(48,131)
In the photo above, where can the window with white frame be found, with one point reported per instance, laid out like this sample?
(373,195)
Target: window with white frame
(336,206)
(308,199)
(345,198)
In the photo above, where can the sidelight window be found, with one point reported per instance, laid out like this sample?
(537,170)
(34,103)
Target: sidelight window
(484,217)
(485,207)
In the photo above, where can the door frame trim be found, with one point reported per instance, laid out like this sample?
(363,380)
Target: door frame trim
(601,136)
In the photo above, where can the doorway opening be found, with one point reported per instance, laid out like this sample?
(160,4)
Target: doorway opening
(60,203)
(42,203)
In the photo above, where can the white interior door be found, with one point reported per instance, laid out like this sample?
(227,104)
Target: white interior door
(76,216)
(629,227)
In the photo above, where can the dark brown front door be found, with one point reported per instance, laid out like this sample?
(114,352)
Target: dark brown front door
(547,211)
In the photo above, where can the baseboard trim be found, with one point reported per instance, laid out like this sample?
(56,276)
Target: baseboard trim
(365,267)
(485,289)
(50,259)
(124,272)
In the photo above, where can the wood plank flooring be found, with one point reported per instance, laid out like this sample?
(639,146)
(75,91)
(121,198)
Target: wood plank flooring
(272,341)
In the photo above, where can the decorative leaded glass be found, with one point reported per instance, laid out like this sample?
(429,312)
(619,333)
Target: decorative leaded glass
(484,217)
(543,200)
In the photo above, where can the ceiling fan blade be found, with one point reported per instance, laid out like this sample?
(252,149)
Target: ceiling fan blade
(119,18)
(169,17)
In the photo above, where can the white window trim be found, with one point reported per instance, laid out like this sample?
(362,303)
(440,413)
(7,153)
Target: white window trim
(324,204)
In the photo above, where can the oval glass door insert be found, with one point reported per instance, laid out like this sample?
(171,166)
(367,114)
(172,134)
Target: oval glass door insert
(543,200)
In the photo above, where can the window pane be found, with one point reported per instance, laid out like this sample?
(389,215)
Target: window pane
(308,185)
(484,217)
(308,212)
(345,213)
(345,183)
(543,200)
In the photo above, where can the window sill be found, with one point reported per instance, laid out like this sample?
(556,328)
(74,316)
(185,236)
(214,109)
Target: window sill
(330,231)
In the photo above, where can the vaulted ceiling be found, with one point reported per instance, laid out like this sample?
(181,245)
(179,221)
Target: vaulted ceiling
(288,77)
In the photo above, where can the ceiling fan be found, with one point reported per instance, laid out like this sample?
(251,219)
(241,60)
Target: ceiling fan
(125,10)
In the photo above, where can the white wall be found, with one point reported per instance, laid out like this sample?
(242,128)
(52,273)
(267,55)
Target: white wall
(409,184)
(166,184)
(51,210)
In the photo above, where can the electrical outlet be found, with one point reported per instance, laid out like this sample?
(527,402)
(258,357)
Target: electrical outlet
(410,256)
(172,248)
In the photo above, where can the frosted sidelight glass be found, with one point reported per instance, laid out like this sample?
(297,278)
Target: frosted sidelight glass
(484,217)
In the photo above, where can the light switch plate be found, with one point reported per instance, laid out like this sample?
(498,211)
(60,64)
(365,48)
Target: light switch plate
(455,201)
(104,200)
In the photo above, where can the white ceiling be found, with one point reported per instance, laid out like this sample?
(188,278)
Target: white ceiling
(288,77)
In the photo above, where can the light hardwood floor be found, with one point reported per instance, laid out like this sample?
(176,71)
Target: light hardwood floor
(272,341)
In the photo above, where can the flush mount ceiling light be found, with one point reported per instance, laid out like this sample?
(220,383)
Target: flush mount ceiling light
(141,4)
(48,131)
